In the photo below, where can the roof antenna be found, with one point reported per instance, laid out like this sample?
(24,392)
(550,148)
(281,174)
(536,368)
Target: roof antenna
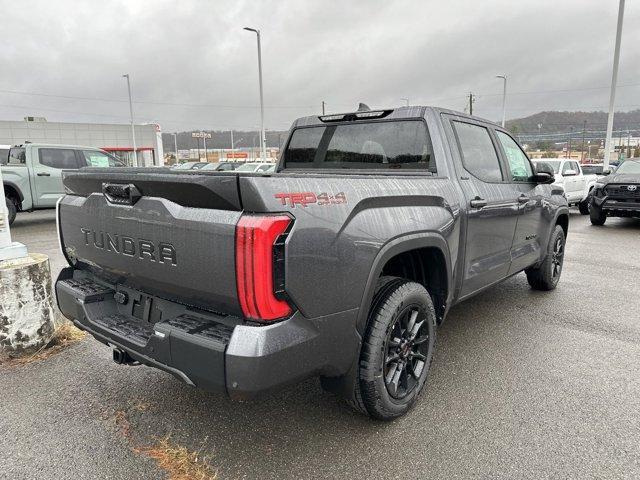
(363,107)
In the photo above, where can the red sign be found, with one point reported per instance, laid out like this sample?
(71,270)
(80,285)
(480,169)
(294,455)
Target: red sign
(237,155)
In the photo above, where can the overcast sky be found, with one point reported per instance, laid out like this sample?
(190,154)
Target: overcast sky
(192,65)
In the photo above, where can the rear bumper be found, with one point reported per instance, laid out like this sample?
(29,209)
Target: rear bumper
(214,352)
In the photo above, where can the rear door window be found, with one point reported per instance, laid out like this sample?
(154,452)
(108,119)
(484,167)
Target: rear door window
(479,155)
(61,158)
(369,145)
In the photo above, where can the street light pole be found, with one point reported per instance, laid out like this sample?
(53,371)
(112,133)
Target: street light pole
(614,80)
(175,144)
(133,130)
(263,140)
(504,98)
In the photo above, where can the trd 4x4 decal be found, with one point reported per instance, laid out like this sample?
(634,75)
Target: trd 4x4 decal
(303,199)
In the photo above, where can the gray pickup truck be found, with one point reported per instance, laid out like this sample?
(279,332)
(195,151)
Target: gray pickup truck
(32,173)
(340,265)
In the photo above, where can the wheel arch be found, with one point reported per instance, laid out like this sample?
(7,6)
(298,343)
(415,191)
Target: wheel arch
(11,190)
(412,256)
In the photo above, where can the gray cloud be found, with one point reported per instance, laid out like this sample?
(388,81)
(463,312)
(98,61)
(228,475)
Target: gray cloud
(193,66)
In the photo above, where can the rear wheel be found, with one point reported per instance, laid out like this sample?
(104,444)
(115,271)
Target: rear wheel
(12,208)
(397,350)
(596,215)
(547,275)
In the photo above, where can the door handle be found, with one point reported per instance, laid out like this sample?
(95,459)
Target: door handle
(43,174)
(523,199)
(478,202)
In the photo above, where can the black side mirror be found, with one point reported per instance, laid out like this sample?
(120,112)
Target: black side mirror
(544,178)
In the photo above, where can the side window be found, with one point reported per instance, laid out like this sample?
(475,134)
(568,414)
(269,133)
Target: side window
(96,158)
(569,166)
(58,158)
(521,170)
(479,156)
(17,156)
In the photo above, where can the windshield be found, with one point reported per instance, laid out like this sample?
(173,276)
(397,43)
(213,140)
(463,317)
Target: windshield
(592,169)
(375,145)
(554,164)
(629,166)
(247,167)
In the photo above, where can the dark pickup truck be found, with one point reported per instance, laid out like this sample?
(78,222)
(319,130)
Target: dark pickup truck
(616,194)
(341,264)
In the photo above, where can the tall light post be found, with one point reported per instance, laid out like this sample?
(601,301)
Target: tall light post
(133,130)
(175,144)
(263,139)
(614,80)
(504,98)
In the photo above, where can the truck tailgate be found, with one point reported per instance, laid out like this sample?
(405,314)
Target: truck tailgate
(181,252)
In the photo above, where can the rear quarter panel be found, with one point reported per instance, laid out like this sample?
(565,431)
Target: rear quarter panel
(332,247)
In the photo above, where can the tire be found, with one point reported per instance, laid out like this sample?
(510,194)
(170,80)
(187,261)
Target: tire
(547,275)
(11,208)
(397,349)
(583,206)
(597,216)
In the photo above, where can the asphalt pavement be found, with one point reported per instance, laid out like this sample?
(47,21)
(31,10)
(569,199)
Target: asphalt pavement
(524,385)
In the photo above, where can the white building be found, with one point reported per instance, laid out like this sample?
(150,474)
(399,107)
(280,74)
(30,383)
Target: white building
(115,138)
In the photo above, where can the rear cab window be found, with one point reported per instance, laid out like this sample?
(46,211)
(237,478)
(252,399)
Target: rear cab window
(17,156)
(382,145)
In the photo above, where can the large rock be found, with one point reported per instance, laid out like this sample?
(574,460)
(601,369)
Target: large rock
(27,317)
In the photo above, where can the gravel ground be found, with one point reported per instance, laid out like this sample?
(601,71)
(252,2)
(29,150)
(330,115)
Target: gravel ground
(524,385)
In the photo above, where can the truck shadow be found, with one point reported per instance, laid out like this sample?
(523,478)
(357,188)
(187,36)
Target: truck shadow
(297,429)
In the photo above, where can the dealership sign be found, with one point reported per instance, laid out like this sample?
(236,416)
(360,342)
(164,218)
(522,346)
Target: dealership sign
(237,155)
(200,135)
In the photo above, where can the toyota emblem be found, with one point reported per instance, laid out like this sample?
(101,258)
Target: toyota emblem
(632,188)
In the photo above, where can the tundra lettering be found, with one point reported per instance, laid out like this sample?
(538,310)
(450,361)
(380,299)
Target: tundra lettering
(145,249)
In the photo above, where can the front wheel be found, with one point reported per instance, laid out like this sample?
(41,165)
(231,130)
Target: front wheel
(583,206)
(596,215)
(397,350)
(547,275)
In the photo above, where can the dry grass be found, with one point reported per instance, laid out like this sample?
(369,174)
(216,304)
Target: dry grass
(66,334)
(178,462)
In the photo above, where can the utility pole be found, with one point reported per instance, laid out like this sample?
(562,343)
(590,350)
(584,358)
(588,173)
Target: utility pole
(472,98)
(133,130)
(569,146)
(323,107)
(584,128)
(263,139)
(614,81)
(504,98)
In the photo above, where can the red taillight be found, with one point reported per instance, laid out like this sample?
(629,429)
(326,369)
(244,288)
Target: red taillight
(256,236)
